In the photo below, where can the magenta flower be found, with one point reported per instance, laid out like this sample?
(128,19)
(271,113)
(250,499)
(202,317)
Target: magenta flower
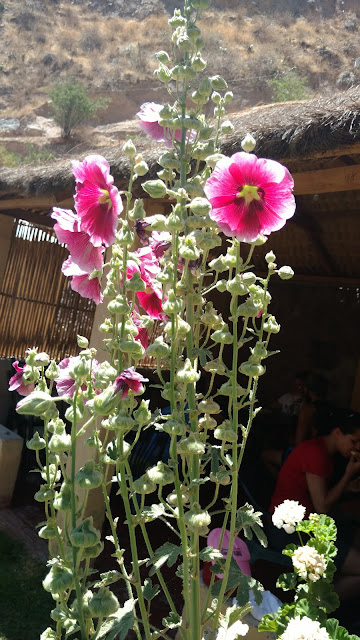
(249,196)
(140,226)
(97,200)
(129,379)
(82,282)
(83,253)
(148,267)
(149,115)
(16,382)
(143,333)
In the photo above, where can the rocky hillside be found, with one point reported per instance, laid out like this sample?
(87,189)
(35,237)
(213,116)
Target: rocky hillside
(267,50)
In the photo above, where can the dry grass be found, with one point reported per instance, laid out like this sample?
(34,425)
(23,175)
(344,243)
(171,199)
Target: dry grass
(39,49)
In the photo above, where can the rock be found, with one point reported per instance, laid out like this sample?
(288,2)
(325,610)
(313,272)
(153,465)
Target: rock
(9,124)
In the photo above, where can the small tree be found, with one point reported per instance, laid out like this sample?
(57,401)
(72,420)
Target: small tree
(72,106)
(289,86)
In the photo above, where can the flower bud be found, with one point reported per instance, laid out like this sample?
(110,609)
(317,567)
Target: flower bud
(157,222)
(58,579)
(49,531)
(200,206)
(187,374)
(270,325)
(52,371)
(144,485)
(248,143)
(158,349)
(133,348)
(198,63)
(161,474)
(88,477)
(104,402)
(141,168)
(221,477)
(129,149)
(223,336)
(94,551)
(228,96)
(227,127)
(285,273)
(209,406)
(163,56)
(177,20)
(252,369)
(174,427)
(142,414)
(260,240)
(62,501)
(60,442)
(200,4)
(49,634)
(215,366)
(172,499)
(41,359)
(85,534)
(237,287)
(225,432)
(173,305)
(36,443)
(206,422)
(191,445)
(118,306)
(270,257)
(226,389)
(218,83)
(124,236)
(37,403)
(44,494)
(138,211)
(184,43)
(197,518)
(103,604)
(175,222)
(213,159)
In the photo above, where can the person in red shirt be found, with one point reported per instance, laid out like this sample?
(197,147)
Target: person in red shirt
(306,474)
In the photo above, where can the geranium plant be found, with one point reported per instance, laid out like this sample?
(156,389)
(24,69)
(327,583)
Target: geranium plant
(170,279)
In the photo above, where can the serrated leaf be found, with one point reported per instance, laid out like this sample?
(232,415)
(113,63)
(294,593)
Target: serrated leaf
(237,579)
(148,514)
(108,578)
(202,354)
(168,552)
(209,553)
(149,590)
(172,621)
(287,581)
(323,595)
(118,625)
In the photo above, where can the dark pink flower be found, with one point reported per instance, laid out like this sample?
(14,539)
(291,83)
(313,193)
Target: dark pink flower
(97,200)
(16,382)
(160,241)
(143,333)
(129,379)
(82,282)
(250,195)
(83,253)
(140,226)
(149,115)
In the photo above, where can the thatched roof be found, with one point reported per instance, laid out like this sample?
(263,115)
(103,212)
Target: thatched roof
(287,131)
(318,140)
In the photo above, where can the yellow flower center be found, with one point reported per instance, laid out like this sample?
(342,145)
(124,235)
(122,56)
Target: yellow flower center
(105,198)
(249,193)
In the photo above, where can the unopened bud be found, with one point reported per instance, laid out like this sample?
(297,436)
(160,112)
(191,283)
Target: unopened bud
(285,273)
(248,143)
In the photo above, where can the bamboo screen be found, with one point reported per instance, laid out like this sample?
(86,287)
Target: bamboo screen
(37,305)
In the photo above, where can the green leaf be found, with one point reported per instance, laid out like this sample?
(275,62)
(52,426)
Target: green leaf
(108,578)
(149,590)
(287,581)
(250,521)
(168,552)
(148,514)
(305,608)
(202,354)
(172,621)
(237,579)
(323,595)
(209,554)
(118,625)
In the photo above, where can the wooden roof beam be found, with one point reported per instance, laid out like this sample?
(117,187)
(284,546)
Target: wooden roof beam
(327,180)
(29,216)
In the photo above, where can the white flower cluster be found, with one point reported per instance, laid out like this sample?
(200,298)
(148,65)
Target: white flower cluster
(309,563)
(233,632)
(304,629)
(287,515)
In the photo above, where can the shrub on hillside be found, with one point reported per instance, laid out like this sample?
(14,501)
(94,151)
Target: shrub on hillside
(289,86)
(72,106)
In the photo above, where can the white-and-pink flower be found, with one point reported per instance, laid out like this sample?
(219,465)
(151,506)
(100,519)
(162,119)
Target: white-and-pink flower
(250,196)
(16,382)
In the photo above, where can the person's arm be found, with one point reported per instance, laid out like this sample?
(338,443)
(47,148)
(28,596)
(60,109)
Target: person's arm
(322,498)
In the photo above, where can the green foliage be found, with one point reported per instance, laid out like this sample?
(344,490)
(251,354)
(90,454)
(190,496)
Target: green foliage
(37,156)
(72,106)
(8,158)
(289,86)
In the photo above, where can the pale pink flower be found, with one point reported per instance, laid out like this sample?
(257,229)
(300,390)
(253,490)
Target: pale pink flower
(16,382)
(81,282)
(249,196)
(65,383)
(149,115)
(309,563)
(83,253)
(129,380)
(97,200)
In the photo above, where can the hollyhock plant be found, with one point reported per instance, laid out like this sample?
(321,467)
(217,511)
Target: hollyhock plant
(82,282)
(97,200)
(250,196)
(65,384)
(68,231)
(160,241)
(129,380)
(16,382)
(148,266)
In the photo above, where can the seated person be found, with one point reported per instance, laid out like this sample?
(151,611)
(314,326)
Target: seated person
(306,475)
(289,403)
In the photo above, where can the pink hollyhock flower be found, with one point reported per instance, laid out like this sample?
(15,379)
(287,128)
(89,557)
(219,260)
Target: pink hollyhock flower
(149,115)
(160,241)
(16,382)
(140,226)
(97,200)
(143,333)
(148,267)
(81,282)
(129,379)
(65,384)
(249,196)
(83,253)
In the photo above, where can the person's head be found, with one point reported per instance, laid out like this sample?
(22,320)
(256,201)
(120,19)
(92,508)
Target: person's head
(344,427)
(315,387)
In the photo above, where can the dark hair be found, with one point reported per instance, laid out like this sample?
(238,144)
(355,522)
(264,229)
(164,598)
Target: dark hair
(329,418)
